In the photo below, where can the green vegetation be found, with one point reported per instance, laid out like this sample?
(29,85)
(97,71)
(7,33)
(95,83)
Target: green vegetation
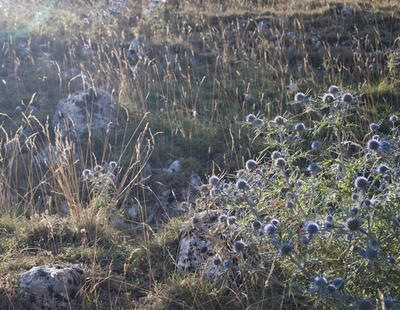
(185,76)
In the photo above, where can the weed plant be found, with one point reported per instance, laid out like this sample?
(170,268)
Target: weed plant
(319,208)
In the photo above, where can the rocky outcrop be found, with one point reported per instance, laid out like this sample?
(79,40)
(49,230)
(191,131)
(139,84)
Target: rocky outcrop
(92,109)
(52,287)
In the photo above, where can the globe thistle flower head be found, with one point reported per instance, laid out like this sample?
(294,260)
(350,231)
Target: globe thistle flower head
(258,123)
(242,184)
(213,180)
(305,240)
(316,145)
(328,98)
(299,97)
(285,249)
(367,202)
(222,218)
(275,155)
(354,211)
(364,304)
(391,260)
(320,282)
(239,246)
(331,288)
(270,229)
(97,168)
(353,224)
(111,166)
(329,218)
(231,220)
(87,174)
(333,89)
(299,127)
(250,118)
(339,283)
(393,118)
(217,261)
(280,121)
(389,303)
(387,177)
(361,183)
(256,225)
(280,163)
(347,98)
(371,254)
(373,127)
(385,146)
(228,263)
(373,145)
(312,228)
(251,164)
(275,222)
(355,196)
(314,167)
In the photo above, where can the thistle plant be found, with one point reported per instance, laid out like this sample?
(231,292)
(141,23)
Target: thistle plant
(329,217)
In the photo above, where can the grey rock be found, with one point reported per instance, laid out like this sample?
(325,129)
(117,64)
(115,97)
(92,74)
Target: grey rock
(52,287)
(136,51)
(91,109)
(175,167)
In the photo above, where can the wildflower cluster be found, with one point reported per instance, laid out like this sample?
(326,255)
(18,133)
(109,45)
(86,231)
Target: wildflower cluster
(327,211)
(101,180)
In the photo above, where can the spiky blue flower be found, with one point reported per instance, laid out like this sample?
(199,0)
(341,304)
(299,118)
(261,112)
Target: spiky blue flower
(361,183)
(353,224)
(280,163)
(320,282)
(371,254)
(389,303)
(275,155)
(314,167)
(299,97)
(373,145)
(279,121)
(275,222)
(251,164)
(339,283)
(256,225)
(328,98)
(364,304)
(316,145)
(250,118)
(383,169)
(312,228)
(239,246)
(270,229)
(333,89)
(231,220)
(242,184)
(300,127)
(285,249)
(347,98)
(213,180)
